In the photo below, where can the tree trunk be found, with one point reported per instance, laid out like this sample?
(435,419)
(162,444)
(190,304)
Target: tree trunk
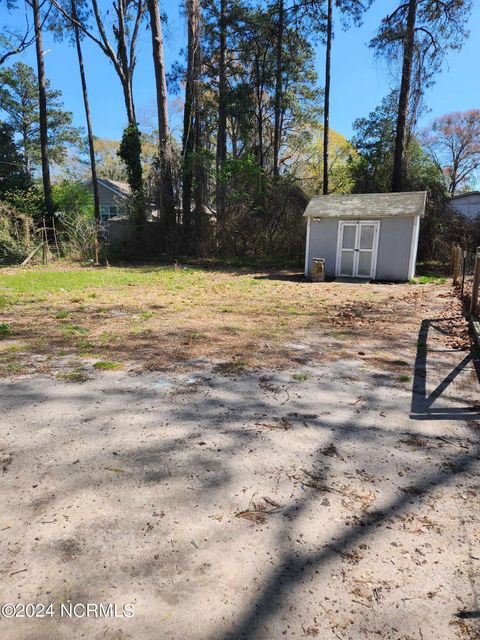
(222,112)
(91,148)
(259,99)
(26,157)
(190,111)
(167,193)
(43,120)
(122,53)
(199,172)
(326,113)
(399,163)
(278,88)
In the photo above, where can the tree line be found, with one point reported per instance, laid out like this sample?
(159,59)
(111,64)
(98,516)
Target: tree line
(256,140)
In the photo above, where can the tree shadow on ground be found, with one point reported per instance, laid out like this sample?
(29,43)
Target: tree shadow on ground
(422,401)
(282,276)
(293,567)
(227,434)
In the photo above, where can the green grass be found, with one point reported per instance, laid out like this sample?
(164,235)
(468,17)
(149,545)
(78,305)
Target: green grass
(233,367)
(39,281)
(13,348)
(74,376)
(300,377)
(404,378)
(61,315)
(40,285)
(13,367)
(73,329)
(107,365)
(5,330)
(428,279)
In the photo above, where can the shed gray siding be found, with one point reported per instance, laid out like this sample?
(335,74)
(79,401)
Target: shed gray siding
(394,246)
(106,196)
(323,244)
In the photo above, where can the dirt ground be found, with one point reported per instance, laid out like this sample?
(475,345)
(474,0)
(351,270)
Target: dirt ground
(320,481)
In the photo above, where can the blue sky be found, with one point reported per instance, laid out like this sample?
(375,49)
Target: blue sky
(358,81)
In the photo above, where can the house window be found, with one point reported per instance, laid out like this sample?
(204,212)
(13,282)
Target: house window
(108,211)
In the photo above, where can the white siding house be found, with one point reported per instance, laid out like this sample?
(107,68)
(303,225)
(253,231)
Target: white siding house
(467,204)
(372,236)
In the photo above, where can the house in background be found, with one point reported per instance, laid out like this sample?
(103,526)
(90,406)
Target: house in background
(113,197)
(372,236)
(467,204)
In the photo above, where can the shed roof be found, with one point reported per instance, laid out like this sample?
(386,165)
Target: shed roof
(367,205)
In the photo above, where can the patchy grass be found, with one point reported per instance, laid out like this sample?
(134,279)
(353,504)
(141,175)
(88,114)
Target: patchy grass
(404,378)
(107,365)
(5,330)
(233,367)
(73,329)
(429,279)
(12,367)
(74,376)
(155,317)
(300,377)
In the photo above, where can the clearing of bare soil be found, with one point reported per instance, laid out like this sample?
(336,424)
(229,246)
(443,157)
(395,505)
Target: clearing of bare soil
(237,455)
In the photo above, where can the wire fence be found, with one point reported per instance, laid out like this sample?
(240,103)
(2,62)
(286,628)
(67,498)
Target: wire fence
(466,276)
(79,240)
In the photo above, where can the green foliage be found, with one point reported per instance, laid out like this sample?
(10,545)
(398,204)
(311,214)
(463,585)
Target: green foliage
(109,165)
(250,100)
(14,234)
(73,200)
(130,152)
(12,164)
(28,202)
(5,330)
(374,140)
(19,99)
(308,167)
(263,216)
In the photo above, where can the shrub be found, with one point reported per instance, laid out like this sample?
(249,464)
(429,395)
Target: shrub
(14,234)
(73,200)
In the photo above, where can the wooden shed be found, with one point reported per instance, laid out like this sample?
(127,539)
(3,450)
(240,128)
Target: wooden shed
(372,235)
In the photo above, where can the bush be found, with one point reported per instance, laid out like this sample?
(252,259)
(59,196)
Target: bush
(28,202)
(14,234)
(263,215)
(73,200)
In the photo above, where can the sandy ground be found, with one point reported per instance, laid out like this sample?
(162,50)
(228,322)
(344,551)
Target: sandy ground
(342,503)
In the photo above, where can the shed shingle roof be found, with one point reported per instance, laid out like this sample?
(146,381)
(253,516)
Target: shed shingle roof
(367,205)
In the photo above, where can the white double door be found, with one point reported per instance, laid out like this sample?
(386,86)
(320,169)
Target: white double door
(357,248)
